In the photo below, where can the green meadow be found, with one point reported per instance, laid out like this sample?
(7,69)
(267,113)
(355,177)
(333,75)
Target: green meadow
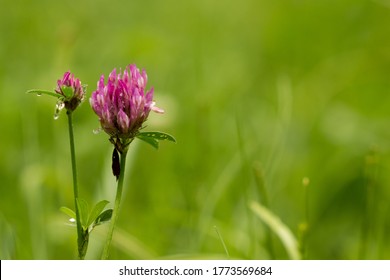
(280,109)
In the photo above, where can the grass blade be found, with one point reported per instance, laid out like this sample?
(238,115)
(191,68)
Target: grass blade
(279,228)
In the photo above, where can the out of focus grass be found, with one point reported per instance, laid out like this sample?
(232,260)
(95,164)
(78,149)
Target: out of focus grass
(259,95)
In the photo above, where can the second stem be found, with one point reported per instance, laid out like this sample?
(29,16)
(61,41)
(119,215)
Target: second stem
(80,240)
(118,197)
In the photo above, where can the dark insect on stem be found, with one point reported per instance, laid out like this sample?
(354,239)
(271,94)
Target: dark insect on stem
(116,166)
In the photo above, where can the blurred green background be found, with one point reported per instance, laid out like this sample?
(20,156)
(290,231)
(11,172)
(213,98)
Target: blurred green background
(285,103)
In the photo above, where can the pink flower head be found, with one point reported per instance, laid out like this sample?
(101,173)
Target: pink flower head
(123,104)
(71,90)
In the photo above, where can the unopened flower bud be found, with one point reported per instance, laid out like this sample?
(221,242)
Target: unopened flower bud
(72,91)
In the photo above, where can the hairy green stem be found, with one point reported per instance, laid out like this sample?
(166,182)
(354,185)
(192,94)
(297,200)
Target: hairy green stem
(118,197)
(80,239)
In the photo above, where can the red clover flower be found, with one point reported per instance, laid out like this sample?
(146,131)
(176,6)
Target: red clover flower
(123,104)
(71,91)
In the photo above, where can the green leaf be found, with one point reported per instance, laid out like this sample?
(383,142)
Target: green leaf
(104,217)
(149,140)
(153,137)
(68,212)
(96,211)
(39,92)
(157,135)
(279,228)
(83,210)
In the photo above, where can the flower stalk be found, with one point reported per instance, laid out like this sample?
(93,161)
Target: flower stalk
(82,240)
(70,93)
(115,212)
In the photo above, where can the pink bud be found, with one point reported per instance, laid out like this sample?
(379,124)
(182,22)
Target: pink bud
(72,91)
